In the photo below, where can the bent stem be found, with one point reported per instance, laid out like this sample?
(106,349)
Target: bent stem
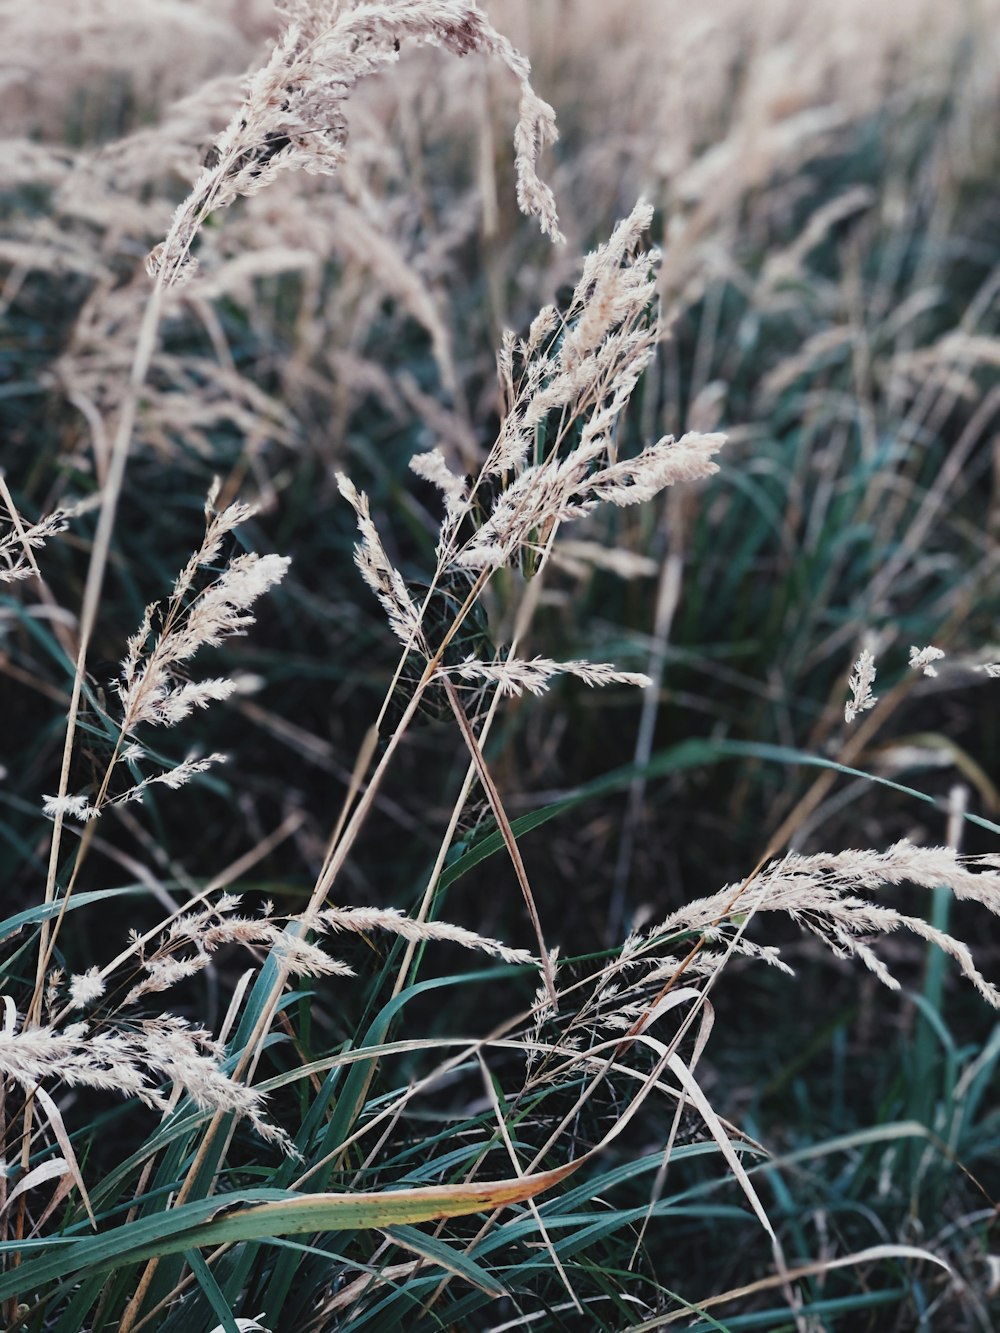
(503,823)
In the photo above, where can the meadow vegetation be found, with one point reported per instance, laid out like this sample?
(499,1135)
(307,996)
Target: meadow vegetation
(498,602)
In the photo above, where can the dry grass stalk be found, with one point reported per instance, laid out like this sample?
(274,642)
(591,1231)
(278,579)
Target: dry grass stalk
(513,677)
(17,547)
(292,116)
(580,366)
(131,1055)
(191,621)
(576,370)
(132,1062)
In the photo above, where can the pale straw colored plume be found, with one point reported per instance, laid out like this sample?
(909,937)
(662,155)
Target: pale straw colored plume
(572,373)
(923,659)
(132,1061)
(77,807)
(366,919)
(544,1008)
(303,959)
(190,1058)
(204,608)
(85,988)
(559,491)
(860,685)
(580,368)
(53,988)
(188,945)
(152,688)
(454,489)
(132,1056)
(584,363)
(293,112)
(513,676)
(190,620)
(164,973)
(377,569)
(823,892)
(172,777)
(17,546)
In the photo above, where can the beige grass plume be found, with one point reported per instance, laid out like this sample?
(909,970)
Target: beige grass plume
(202,610)
(860,684)
(827,893)
(569,383)
(293,111)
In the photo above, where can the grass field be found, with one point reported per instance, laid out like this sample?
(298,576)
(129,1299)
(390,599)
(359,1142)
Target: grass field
(458,483)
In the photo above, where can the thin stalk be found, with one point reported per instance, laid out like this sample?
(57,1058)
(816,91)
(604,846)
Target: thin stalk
(145,347)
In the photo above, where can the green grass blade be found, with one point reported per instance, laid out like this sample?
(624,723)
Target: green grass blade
(212,1290)
(257,1214)
(32,916)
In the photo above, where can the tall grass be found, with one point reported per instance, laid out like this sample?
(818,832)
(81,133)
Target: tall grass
(735,489)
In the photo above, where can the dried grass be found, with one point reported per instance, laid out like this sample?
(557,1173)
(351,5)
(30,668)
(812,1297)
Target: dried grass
(565,387)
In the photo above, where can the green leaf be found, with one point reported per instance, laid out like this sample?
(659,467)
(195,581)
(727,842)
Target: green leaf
(445,1256)
(212,1291)
(258,1214)
(12,924)
(688,754)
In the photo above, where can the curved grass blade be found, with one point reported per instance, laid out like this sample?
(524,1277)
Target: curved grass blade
(34,915)
(212,1291)
(688,754)
(873,1255)
(447,1257)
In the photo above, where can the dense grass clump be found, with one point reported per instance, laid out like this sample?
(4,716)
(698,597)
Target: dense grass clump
(499,768)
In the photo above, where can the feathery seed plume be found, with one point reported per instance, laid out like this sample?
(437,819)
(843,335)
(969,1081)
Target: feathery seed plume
(190,620)
(922,659)
(77,807)
(514,676)
(377,570)
(16,561)
(293,111)
(860,684)
(823,892)
(85,987)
